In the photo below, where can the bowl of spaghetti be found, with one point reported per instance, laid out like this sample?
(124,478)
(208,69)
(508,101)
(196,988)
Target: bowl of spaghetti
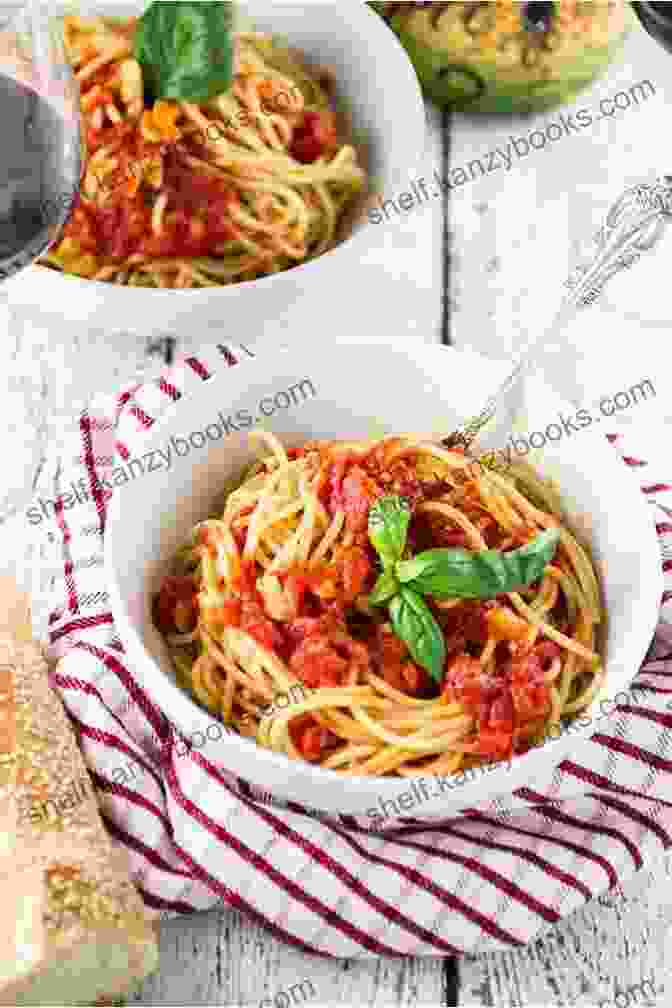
(256,193)
(326,606)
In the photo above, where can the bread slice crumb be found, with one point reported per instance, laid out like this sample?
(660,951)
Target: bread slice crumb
(73,928)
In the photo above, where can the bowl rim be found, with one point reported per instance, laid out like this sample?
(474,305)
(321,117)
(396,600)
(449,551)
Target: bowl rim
(357,239)
(300,776)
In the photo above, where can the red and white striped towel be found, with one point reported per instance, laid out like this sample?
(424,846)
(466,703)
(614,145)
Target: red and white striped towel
(197,836)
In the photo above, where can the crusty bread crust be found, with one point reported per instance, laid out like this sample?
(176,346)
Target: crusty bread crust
(69,886)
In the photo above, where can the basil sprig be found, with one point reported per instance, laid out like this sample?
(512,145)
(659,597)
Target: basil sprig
(389,519)
(412,619)
(385,590)
(458,573)
(186,49)
(442,574)
(414,623)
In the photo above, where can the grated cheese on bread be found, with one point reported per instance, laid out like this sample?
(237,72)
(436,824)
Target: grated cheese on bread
(73,929)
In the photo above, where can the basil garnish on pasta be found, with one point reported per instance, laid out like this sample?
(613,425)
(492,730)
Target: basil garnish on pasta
(442,574)
(414,623)
(186,49)
(389,519)
(386,588)
(458,573)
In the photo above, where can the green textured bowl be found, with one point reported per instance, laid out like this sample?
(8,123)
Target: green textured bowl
(493,57)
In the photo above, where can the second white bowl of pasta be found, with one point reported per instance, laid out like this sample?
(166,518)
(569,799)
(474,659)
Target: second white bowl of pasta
(231,209)
(336,610)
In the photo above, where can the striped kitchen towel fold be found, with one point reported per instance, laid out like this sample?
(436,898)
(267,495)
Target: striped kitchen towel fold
(332,885)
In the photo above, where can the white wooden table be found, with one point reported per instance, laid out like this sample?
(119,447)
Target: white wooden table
(479,266)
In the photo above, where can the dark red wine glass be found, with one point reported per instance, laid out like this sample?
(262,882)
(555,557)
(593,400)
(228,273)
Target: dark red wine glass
(40,148)
(656,18)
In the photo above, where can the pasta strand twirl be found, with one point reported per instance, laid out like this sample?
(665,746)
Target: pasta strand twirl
(278,634)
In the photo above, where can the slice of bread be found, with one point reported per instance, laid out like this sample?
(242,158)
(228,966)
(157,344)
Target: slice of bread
(73,930)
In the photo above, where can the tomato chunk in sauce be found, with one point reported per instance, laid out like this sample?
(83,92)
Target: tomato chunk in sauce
(197,218)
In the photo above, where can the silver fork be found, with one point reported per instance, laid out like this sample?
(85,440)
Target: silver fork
(633,225)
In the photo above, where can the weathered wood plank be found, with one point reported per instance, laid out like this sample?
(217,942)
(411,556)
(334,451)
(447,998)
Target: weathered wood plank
(610,953)
(222,959)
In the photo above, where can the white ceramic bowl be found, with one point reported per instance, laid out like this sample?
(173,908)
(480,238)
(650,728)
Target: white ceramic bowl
(378,84)
(350,392)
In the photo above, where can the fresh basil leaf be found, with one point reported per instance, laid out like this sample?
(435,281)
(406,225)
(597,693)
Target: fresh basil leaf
(186,49)
(385,589)
(389,519)
(414,623)
(457,573)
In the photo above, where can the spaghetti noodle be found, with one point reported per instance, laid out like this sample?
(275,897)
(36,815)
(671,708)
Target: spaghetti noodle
(274,596)
(184,195)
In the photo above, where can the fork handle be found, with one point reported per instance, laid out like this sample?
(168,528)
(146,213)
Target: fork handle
(633,225)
